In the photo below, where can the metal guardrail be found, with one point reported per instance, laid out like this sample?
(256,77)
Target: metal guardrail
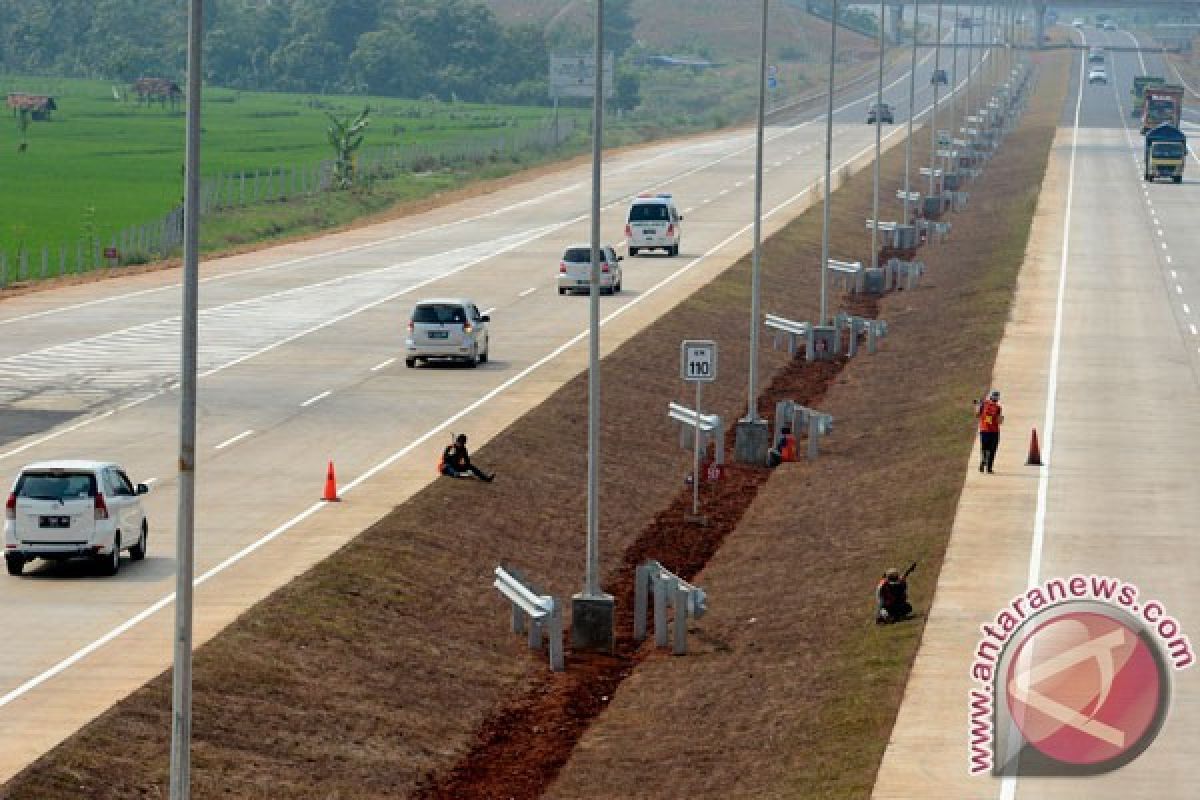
(652,578)
(709,426)
(847,274)
(803,421)
(875,329)
(542,613)
(793,331)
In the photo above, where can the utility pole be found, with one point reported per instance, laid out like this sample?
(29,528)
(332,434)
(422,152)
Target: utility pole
(592,610)
(181,677)
(751,437)
(824,314)
(912,108)
(878,141)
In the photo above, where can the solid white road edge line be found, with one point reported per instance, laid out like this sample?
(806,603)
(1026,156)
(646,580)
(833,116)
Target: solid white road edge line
(1008,783)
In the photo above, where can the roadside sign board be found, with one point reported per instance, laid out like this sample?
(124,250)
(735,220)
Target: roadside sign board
(575,76)
(698,360)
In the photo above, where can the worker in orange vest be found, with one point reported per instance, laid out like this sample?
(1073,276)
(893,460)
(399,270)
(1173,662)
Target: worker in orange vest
(784,449)
(991,416)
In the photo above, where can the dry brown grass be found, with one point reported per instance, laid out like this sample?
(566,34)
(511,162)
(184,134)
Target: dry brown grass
(374,671)
(790,691)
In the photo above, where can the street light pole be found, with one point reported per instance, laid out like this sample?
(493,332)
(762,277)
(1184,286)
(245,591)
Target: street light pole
(937,63)
(828,167)
(592,610)
(756,267)
(751,437)
(912,107)
(878,142)
(181,678)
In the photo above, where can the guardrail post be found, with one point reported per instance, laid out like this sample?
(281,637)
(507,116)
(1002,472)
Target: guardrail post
(660,612)
(641,591)
(680,598)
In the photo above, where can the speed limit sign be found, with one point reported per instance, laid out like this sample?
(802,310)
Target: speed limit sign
(698,361)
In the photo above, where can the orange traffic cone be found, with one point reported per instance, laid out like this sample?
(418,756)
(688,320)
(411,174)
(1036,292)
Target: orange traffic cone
(1035,454)
(330,495)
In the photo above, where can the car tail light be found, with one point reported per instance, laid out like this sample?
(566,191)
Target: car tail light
(562,268)
(671,229)
(10,508)
(604,267)
(628,232)
(410,326)
(467,327)
(101,507)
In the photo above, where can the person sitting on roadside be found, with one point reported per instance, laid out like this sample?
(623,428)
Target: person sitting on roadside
(784,449)
(891,598)
(456,462)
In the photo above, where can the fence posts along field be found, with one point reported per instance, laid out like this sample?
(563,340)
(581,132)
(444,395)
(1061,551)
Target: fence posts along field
(163,237)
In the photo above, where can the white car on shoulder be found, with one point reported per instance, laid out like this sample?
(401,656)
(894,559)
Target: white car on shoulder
(653,223)
(575,270)
(74,509)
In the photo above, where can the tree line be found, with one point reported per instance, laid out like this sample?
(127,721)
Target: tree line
(403,48)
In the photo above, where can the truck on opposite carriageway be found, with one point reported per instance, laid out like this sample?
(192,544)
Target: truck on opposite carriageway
(1166,153)
(1164,103)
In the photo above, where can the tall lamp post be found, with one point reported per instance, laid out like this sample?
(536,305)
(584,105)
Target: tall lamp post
(181,678)
(878,141)
(592,610)
(824,312)
(912,109)
(752,441)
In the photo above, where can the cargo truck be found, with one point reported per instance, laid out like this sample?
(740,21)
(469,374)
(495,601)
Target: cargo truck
(1166,153)
(1140,83)
(1163,104)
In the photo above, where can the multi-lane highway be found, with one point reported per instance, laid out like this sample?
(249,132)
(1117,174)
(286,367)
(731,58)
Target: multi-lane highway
(301,362)
(1102,356)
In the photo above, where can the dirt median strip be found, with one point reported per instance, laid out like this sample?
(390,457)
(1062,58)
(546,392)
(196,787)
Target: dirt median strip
(372,674)
(789,691)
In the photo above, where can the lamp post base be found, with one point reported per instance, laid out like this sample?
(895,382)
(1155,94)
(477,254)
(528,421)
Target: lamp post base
(751,442)
(592,625)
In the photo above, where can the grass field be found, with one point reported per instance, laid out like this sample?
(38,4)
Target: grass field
(101,164)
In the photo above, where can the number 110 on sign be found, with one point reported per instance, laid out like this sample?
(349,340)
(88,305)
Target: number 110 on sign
(698,363)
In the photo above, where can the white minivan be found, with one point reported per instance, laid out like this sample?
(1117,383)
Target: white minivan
(450,328)
(653,223)
(74,509)
(575,270)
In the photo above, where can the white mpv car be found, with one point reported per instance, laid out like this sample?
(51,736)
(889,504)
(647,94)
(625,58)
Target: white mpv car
(653,223)
(447,328)
(74,509)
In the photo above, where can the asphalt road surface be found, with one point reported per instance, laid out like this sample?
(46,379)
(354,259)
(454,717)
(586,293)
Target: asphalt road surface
(1102,356)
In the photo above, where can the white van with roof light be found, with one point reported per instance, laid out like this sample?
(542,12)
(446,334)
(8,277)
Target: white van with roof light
(653,224)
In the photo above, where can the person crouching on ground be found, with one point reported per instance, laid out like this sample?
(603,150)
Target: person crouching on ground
(456,461)
(891,598)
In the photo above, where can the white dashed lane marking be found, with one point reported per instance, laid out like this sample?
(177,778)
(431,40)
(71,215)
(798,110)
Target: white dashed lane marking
(316,398)
(233,440)
(528,291)
(383,365)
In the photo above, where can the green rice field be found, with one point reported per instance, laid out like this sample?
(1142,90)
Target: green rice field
(103,162)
